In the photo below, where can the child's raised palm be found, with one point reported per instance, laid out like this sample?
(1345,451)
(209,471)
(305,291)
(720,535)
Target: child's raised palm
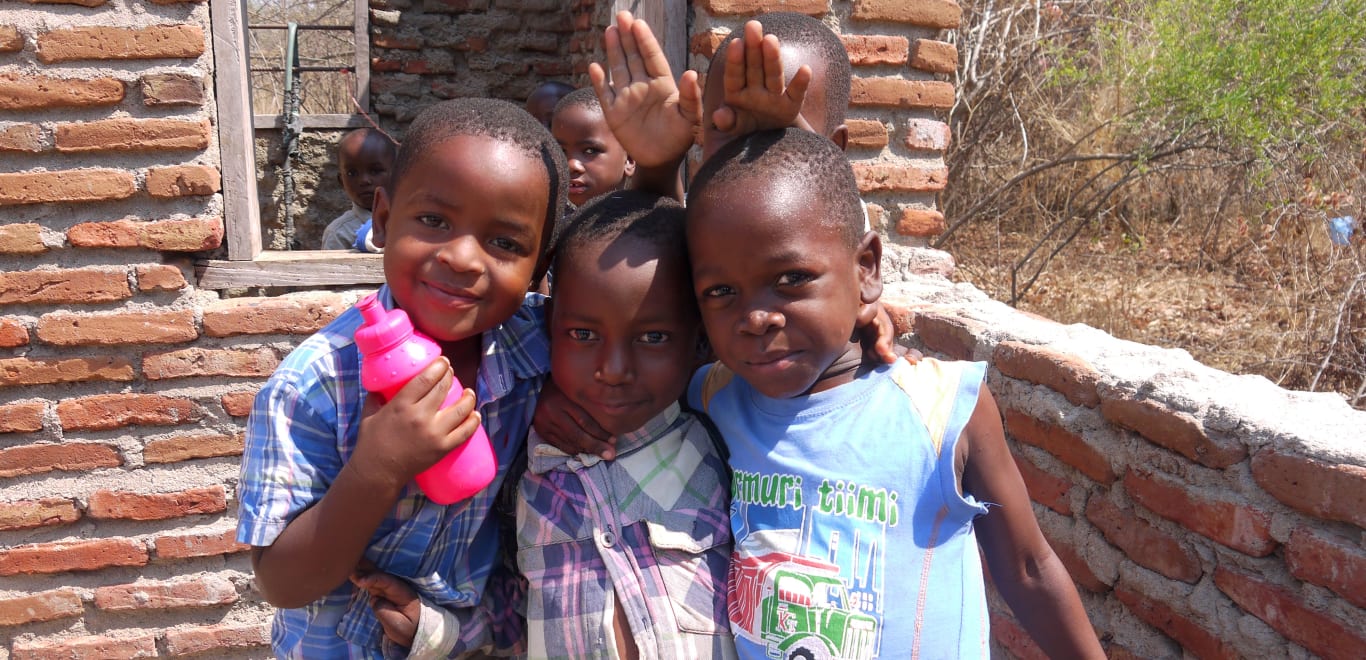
(756,96)
(651,116)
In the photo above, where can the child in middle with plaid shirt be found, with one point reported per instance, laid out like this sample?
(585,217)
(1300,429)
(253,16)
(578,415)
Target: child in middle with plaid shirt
(624,558)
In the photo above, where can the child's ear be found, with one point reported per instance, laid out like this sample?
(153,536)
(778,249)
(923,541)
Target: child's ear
(630,168)
(379,216)
(840,136)
(869,260)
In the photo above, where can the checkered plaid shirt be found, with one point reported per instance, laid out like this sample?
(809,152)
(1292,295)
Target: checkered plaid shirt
(648,532)
(303,428)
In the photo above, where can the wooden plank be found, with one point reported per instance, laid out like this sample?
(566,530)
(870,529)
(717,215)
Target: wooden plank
(237,150)
(668,19)
(361,32)
(303,268)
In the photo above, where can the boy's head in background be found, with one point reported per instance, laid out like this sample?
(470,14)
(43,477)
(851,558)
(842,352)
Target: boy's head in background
(364,158)
(541,101)
(623,321)
(597,163)
(805,41)
(468,213)
(782,267)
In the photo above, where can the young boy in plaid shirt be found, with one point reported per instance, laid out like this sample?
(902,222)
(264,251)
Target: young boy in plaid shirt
(624,558)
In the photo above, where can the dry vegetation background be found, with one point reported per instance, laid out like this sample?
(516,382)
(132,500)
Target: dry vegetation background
(1167,171)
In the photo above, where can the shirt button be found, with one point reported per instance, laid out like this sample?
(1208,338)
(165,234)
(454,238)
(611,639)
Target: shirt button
(608,539)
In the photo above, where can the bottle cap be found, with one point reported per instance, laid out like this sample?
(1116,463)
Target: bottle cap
(382,329)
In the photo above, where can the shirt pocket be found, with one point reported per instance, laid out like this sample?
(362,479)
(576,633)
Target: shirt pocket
(692,554)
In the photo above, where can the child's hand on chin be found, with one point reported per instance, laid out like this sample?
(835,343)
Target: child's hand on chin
(395,604)
(569,428)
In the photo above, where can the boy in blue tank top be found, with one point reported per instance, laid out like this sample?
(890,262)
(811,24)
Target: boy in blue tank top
(860,490)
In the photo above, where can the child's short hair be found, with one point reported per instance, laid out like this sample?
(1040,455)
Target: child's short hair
(811,35)
(804,158)
(644,216)
(494,119)
(580,98)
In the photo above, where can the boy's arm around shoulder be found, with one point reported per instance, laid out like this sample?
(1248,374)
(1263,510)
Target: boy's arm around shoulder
(1022,564)
(320,547)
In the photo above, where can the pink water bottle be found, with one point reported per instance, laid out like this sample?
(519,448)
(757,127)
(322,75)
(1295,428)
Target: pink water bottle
(393,353)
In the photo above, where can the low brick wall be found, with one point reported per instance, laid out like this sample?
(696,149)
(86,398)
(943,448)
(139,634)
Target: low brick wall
(1194,509)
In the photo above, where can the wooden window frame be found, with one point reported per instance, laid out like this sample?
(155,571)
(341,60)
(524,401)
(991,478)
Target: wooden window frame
(248,264)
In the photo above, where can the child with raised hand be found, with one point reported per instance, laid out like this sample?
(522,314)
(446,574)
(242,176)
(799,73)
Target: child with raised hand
(364,158)
(597,163)
(326,484)
(861,490)
(623,558)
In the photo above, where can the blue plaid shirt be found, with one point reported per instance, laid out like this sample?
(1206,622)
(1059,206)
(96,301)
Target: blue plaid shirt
(303,428)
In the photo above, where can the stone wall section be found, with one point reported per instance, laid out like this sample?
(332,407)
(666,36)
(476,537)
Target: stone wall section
(1194,509)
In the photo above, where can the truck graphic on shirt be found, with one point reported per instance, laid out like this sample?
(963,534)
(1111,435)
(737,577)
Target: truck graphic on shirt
(797,608)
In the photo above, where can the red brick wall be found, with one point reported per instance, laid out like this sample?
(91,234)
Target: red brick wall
(1194,509)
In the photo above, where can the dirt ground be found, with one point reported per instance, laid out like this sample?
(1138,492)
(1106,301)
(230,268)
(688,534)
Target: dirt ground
(1267,310)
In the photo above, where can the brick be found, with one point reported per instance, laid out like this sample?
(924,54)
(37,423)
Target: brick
(1010,634)
(1326,490)
(120,43)
(184,546)
(1281,609)
(752,7)
(11,40)
(1044,487)
(33,92)
(927,135)
(110,411)
(143,645)
(866,134)
(938,14)
(1329,561)
(73,457)
(119,505)
(191,235)
(63,286)
(184,448)
(876,49)
(1066,374)
(130,134)
(22,417)
(160,90)
(1146,545)
(12,334)
(899,93)
(238,404)
(1192,636)
(22,238)
(42,606)
(876,177)
(23,138)
(28,514)
(1069,447)
(1076,566)
(189,362)
(706,43)
(199,591)
(160,278)
(920,222)
(223,637)
(1177,431)
(117,328)
(182,181)
(1244,528)
(62,556)
(95,185)
(253,316)
(934,56)
(950,335)
(395,42)
(16,372)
